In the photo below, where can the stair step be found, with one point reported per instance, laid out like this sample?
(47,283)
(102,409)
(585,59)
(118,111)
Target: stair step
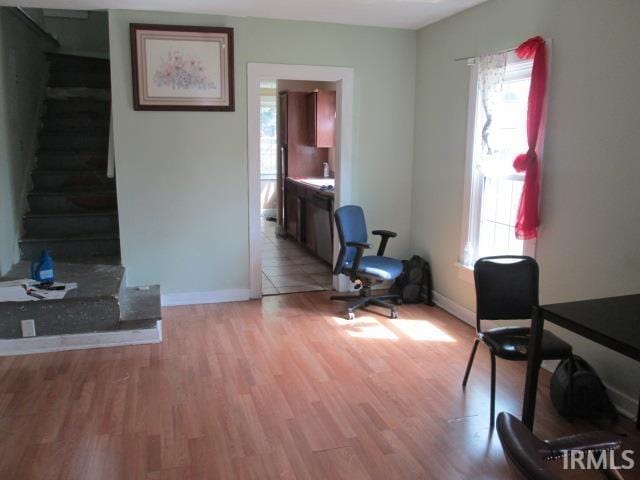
(60,160)
(74,78)
(71,202)
(59,224)
(69,247)
(74,142)
(93,306)
(61,61)
(72,106)
(86,123)
(140,307)
(70,180)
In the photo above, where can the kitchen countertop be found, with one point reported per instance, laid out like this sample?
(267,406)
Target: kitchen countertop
(303,181)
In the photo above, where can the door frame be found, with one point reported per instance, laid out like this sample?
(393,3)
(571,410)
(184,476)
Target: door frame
(343,76)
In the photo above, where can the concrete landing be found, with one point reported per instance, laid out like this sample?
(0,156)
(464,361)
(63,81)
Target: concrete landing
(101,304)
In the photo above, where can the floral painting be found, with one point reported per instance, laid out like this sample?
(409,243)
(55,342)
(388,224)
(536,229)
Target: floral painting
(182,68)
(180,71)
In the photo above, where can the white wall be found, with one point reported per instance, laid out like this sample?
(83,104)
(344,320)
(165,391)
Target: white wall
(21,91)
(589,242)
(182,176)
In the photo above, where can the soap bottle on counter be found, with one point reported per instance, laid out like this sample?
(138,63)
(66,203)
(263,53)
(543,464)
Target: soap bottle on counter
(325,169)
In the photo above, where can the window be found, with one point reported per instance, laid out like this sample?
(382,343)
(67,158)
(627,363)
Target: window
(497,133)
(268,138)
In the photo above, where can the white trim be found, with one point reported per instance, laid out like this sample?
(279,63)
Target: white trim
(80,341)
(213,296)
(468,176)
(455,309)
(626,404)
(257,72)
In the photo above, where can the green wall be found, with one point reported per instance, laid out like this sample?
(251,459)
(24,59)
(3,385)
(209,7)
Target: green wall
(81,35)
(21,90)
(182,176)
(589,240)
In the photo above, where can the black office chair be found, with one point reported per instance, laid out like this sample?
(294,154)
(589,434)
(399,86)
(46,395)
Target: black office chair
(527,455)
(507,289)
(363,271)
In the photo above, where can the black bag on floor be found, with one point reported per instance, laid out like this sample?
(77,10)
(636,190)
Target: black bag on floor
(414,285)
(590,398)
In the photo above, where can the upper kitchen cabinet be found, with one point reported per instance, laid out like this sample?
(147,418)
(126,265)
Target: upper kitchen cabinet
(321,122)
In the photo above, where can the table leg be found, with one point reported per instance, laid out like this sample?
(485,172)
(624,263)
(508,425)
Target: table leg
(533,367)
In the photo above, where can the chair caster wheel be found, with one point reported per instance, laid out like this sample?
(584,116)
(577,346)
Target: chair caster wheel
(351,316)
(394,314)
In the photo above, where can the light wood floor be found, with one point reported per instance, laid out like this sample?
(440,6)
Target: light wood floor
(279,388)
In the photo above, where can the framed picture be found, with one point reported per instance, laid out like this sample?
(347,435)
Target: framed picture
(182,67)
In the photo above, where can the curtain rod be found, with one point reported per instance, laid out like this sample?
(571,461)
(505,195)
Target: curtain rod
(475,56)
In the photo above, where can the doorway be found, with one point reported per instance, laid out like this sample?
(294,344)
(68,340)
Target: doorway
(297,184)
(279,248)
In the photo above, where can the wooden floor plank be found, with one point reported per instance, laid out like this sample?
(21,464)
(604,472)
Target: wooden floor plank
(282,388)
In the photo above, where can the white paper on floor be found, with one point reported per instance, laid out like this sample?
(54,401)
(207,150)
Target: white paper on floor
(13,291)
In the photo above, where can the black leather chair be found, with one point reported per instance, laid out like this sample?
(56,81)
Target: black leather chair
(528,456)
(507,289)
(363,270)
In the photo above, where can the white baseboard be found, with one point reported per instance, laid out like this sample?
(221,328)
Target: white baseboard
(455,309)
(626,405)
(80,341)
(214,296)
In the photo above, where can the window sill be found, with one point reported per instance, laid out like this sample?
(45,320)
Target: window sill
(465,273)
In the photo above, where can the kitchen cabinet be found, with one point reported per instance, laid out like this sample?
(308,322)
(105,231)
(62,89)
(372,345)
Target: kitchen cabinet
(309,218)
(321,118)
(296,158)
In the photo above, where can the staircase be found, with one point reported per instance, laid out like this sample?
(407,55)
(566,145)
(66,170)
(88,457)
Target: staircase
(73,210)
(73,213)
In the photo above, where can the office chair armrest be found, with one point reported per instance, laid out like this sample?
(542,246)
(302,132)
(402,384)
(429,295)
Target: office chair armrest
(594,441)
(360,248)
(386,235)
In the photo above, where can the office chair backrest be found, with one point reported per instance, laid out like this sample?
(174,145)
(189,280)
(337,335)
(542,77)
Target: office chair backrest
(524,452)
(506,287)
(351,227)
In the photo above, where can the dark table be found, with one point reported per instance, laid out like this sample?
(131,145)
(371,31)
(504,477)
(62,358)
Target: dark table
(613,322)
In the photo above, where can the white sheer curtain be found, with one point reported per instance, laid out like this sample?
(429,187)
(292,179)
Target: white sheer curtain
(491,73)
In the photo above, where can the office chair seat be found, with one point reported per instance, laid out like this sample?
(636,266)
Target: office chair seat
(511,343)
(384,268)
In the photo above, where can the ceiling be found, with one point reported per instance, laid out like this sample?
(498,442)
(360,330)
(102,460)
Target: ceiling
(411,14)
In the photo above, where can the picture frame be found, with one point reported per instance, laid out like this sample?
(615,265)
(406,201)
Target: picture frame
(182,68)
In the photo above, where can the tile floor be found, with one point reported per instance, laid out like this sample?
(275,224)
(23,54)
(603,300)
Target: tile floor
(287,267)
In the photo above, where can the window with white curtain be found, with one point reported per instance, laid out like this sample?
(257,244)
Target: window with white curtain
(497,133)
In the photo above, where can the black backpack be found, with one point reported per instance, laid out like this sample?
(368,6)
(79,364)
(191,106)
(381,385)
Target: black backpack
(414,285)
(590,398)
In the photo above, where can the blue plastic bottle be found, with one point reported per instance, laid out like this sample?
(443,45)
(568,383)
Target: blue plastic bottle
(43,270)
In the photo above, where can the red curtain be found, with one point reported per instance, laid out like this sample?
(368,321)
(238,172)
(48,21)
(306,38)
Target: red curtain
(528,218)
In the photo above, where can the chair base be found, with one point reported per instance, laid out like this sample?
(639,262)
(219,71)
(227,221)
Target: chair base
(364,299)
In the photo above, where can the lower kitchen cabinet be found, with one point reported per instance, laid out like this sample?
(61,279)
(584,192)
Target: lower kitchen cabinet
(309,218)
